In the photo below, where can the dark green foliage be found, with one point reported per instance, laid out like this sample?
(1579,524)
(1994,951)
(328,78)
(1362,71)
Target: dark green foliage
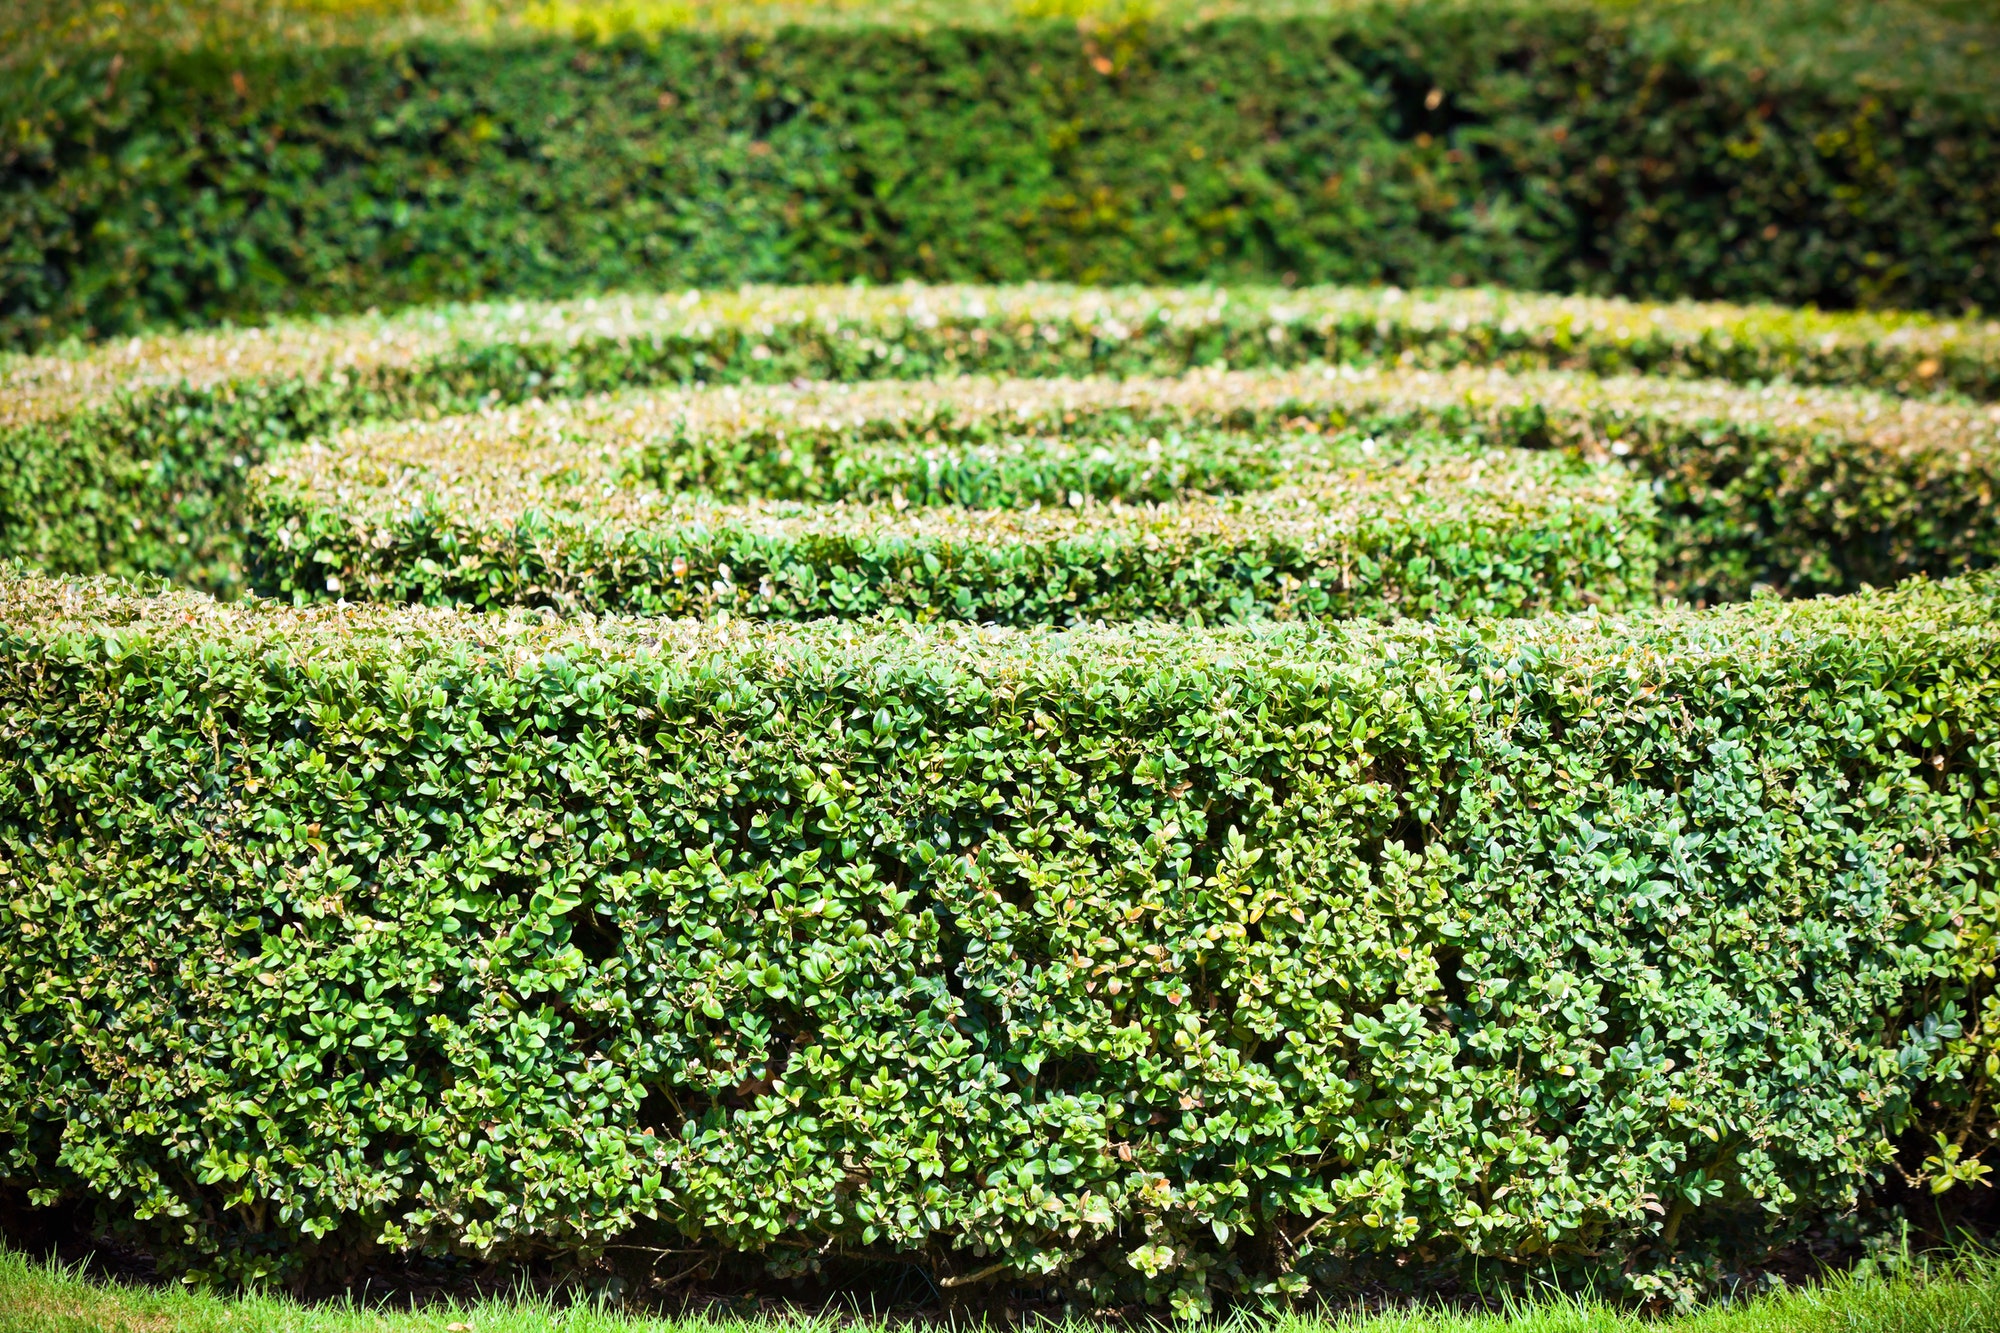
(1175,964)
(1536,145)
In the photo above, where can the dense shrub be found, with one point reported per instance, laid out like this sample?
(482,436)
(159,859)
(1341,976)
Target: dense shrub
(1173,963)
(1026,530)
(131,458)
(1537,145)
(1804,490)
(1165,965)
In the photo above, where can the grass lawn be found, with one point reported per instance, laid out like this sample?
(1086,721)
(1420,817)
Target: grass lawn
(37,1298)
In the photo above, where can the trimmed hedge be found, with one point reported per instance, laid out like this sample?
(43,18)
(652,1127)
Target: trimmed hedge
(1428,143)
(1171,964)
(129,459)
(1807,491)
(1059,531)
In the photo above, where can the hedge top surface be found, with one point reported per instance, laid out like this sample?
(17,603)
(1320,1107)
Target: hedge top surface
(1885,349)
(1879,44)
(1020,529)
(968,446)
(976,407)
(1323,494)
(1779,484)
(108,618)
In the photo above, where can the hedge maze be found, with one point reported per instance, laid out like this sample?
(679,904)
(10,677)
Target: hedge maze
(1186,795)
(1179,797)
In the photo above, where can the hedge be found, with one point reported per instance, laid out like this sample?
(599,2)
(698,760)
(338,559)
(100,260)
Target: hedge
(1802,490)
(130,458)
(1547,146)
(1167,964)
(1056,532)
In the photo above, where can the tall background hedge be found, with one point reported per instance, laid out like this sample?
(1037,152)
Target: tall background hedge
(1540,146)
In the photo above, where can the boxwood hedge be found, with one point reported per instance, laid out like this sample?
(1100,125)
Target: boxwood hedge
(1168,964)
(570,503)
(130,458)
(1161,964)
(1026,530)
(1803,490)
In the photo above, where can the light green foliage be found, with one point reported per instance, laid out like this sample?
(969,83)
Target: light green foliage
(1182,964)
(1808,490)
(1021,528)
(131,458)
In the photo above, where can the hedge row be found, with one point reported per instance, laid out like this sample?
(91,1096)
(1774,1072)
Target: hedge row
(1805,491)
(1320,529)
(130,458)
(514,349)
(1169,965)
(1808,491)
(1426,143)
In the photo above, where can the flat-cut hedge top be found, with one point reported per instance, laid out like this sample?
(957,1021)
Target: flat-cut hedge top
(1885,44)
(493,468)
(607,431)
(1018,528)
(366,645)
(1904,351)
(1808,489)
